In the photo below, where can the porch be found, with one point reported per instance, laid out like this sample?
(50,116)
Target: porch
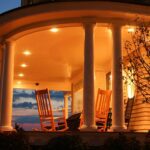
(69,54)
(69,69)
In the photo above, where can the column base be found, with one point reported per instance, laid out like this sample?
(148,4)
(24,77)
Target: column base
(118,129)
(6,128)
(88,128)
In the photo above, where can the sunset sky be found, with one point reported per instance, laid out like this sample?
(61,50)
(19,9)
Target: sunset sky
(25,111)
(6,5)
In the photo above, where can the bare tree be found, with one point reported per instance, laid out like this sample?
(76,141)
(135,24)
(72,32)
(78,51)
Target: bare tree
(137,62)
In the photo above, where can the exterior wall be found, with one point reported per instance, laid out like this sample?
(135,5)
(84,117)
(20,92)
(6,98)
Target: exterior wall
(78,97)
(30,2)
(140,117)
(25,2)
(77,93)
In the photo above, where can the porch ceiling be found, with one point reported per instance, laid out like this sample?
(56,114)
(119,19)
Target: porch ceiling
(59,56)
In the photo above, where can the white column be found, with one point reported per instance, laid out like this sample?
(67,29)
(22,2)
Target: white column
(7,87)
(117,87)
(66,105)
(73,101)
(88,87)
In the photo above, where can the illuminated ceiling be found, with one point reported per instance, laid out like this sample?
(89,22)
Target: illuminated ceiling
(59,55)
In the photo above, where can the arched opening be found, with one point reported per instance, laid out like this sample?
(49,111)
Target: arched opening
(54,59)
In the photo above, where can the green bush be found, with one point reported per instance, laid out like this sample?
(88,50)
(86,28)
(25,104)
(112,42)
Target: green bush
(67,142)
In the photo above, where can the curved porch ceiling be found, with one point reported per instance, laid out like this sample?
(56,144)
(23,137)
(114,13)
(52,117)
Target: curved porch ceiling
(59,56)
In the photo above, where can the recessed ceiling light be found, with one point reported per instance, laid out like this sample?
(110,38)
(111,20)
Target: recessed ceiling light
(109,30)
(20,74)
(27,52)
(54,29)
(23,65)
(19,82)
(110,77)
(131,29)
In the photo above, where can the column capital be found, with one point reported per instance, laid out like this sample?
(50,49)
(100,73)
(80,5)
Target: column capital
(4,41)
(2,45)
(8,43)
(89,24)
(114,26)
(88,21)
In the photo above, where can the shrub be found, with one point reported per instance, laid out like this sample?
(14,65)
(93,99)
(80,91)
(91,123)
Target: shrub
(67,142)
(147,142)
(134,144)
(121,142)
(18,128)
(13,141)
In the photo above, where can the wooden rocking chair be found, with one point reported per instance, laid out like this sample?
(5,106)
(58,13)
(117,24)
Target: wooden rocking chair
(45,111)
(102,108)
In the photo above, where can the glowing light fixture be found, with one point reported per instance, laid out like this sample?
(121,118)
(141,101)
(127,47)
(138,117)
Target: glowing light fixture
(110,77)
(131,90)
(20,74)
(23,65)
(109,30)
(19,82)
(131,30)
(130,87)
(27,52)
(54,30)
